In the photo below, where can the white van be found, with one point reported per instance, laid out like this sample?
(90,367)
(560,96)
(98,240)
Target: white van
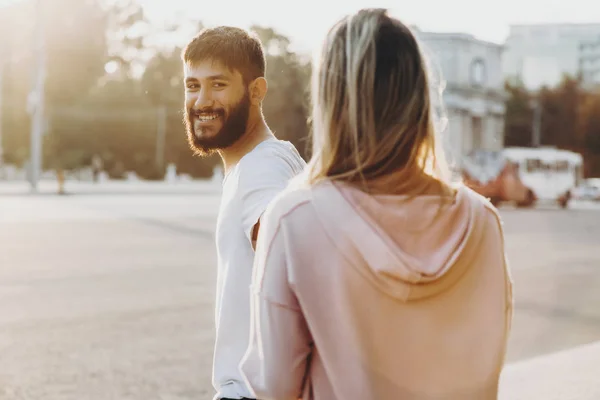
(549,174)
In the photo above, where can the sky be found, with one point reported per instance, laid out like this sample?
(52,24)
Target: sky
(305,22)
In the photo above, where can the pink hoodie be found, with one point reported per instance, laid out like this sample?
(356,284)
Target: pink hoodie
(371,298)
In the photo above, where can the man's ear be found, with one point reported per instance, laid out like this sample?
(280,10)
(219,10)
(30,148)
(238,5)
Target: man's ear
(258,90)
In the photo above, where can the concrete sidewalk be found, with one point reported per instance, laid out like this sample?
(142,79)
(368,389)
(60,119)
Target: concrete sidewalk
(50,187)
(572,374)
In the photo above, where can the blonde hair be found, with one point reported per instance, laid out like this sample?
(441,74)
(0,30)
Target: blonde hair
(372,119)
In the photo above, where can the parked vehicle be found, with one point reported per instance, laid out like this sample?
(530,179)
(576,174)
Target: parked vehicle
(524,175)
(588,190)
(490,174)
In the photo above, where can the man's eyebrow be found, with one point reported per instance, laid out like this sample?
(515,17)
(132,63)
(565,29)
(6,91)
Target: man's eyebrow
(218,77)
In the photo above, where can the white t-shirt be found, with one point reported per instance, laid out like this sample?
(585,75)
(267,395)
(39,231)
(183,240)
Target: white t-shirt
(247,190)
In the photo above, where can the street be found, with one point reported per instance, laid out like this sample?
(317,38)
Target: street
(110,296)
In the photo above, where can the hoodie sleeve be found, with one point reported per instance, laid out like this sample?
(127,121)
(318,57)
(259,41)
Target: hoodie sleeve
(276,361)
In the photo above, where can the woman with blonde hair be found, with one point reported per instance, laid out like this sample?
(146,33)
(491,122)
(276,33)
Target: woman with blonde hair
(377,279)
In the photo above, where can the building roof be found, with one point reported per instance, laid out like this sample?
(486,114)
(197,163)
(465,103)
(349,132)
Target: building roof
(458,36)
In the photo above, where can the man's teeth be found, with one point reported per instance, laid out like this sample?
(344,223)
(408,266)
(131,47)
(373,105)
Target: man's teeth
(208,117)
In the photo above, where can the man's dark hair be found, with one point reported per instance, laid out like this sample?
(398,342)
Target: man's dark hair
(236,48)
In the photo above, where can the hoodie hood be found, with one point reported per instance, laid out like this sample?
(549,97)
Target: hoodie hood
(407,248)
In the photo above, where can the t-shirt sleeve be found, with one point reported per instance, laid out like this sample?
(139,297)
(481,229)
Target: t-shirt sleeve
(261,180)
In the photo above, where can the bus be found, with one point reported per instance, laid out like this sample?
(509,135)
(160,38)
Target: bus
(524,175)
(548,173)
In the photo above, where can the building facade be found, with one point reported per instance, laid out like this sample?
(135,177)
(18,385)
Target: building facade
(474,91)
(540,55)
(589,63)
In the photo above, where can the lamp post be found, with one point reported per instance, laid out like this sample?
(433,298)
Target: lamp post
(37,100)
(536,126)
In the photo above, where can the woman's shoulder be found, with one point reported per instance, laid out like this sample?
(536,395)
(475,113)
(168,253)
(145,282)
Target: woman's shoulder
(298,199)
(478,200)
(296,195)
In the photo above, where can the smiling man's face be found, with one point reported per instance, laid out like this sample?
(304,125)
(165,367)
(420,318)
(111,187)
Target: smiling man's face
(217,106)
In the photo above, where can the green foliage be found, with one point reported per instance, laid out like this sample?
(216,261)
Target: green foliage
(570,119)
(286,104)
(519,115)
(115,115)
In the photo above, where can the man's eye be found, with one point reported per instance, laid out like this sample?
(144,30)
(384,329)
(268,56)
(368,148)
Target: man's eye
(218,84)
(192,86)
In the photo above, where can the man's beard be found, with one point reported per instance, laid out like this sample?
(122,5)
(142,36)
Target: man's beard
(233,128)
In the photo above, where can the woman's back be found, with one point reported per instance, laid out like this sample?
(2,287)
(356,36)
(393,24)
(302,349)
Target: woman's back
(401,302)
(388,296)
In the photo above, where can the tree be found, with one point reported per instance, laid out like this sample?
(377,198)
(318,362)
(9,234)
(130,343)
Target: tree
(560,108)
(286,104)
(107,78)
(589,129)
(570,120)
(519,117)
(126,30)
(80,44)
(75,53)
(16,29)
(76,48)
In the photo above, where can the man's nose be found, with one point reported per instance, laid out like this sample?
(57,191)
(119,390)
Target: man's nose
(204,99)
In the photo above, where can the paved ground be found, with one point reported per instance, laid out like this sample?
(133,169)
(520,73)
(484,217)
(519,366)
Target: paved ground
(564,375)
(109,296)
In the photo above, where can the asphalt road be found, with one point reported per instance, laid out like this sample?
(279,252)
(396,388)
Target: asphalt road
(110,296)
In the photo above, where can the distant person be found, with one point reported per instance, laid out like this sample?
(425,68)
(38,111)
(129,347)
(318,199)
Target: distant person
(224,89)
(97,166)
(375,278)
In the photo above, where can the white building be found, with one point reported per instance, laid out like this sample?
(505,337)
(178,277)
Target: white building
(539,55)
(589,63)
(474,93)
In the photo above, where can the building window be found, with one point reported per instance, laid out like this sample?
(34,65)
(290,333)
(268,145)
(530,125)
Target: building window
(562,166)
(478,72)
(534,165)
